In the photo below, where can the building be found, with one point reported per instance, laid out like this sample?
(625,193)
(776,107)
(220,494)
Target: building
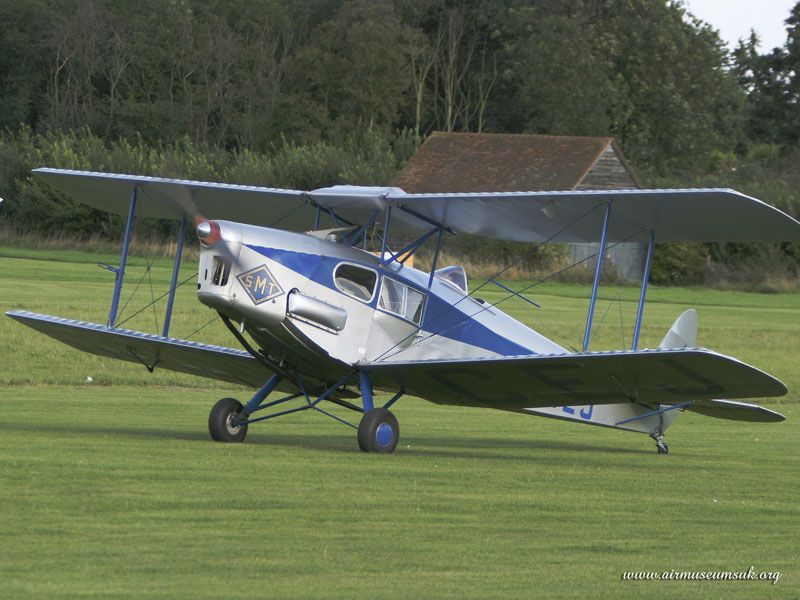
(485,162)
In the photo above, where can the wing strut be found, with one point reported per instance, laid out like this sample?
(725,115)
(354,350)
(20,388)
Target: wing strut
(176,267)
(597,272)
(645,276)
(123,259)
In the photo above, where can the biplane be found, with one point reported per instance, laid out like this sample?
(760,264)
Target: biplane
(321,321)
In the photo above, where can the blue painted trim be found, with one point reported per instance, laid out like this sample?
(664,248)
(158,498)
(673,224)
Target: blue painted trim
(645,276)
(517,294)
(366,391)
(176,267)
(598,271)
(440,317)
(655,412)
(123,259)
(254,402)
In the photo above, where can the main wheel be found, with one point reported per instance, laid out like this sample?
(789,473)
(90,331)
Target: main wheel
(378,431)
(222,421)
(662,448)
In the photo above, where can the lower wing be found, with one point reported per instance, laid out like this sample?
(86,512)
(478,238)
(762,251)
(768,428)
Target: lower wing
(648,376)
(153,351)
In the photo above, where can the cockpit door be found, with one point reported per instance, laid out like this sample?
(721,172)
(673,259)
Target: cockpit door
(396,321)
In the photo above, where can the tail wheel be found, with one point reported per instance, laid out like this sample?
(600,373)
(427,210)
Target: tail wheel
(223,422)
(378,431)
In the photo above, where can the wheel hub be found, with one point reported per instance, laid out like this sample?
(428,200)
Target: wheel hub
(384,434)
(232,424)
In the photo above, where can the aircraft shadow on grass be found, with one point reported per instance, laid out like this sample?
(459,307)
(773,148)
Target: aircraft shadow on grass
(455,447)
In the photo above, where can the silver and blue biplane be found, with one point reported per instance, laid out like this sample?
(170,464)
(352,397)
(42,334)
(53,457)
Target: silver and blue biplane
(319,319)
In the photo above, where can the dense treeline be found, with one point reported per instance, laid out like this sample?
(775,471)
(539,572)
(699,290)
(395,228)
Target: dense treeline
(246,73)
(305,93)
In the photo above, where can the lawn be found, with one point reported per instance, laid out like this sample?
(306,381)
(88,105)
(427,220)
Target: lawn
(113,489)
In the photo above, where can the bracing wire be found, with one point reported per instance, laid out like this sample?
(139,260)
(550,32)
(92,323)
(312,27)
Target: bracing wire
(491,305)
(495,276)
(146,306)
(214,318)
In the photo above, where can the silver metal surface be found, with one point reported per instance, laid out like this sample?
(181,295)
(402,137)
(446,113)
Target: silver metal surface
(317,311)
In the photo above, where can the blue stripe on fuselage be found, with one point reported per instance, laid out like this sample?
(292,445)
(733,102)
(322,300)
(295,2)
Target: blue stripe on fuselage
(441,317)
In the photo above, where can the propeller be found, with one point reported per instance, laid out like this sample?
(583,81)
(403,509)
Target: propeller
(207,230)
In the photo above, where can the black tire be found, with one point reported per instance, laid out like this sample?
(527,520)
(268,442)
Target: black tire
(378,431)
(662,448)
(220,422)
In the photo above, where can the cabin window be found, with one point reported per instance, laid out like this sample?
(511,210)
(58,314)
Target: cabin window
(355,281)
(221,271)
(401,300)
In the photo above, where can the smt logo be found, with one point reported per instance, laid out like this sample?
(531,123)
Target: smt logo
(259,284)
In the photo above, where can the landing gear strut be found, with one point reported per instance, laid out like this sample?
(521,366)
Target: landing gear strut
(658,436)
(661,445)
(378,430)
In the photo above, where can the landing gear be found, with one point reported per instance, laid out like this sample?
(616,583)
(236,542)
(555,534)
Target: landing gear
(658,434)
(661,445)
(378,431)
(223,422)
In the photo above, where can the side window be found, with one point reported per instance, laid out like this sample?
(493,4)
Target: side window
(414,303)
(401,300)
(392,296)
(355,281)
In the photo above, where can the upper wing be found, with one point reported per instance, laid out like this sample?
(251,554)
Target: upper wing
(577,216)
(204,360)
(170,198)
(648,376)
(700,215)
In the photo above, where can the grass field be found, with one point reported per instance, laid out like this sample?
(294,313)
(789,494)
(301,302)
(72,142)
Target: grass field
(115,490)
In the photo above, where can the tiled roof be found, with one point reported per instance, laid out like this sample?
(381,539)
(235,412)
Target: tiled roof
(482,162)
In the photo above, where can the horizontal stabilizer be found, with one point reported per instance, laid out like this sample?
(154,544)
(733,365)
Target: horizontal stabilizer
(152,351)
(627,416)
(736,411)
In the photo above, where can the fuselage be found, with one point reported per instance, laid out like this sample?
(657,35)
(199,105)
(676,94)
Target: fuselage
(323,307)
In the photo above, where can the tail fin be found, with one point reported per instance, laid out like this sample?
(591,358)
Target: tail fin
(683,333)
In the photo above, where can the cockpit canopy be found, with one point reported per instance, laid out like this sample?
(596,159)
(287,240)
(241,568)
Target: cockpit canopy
(455,276)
